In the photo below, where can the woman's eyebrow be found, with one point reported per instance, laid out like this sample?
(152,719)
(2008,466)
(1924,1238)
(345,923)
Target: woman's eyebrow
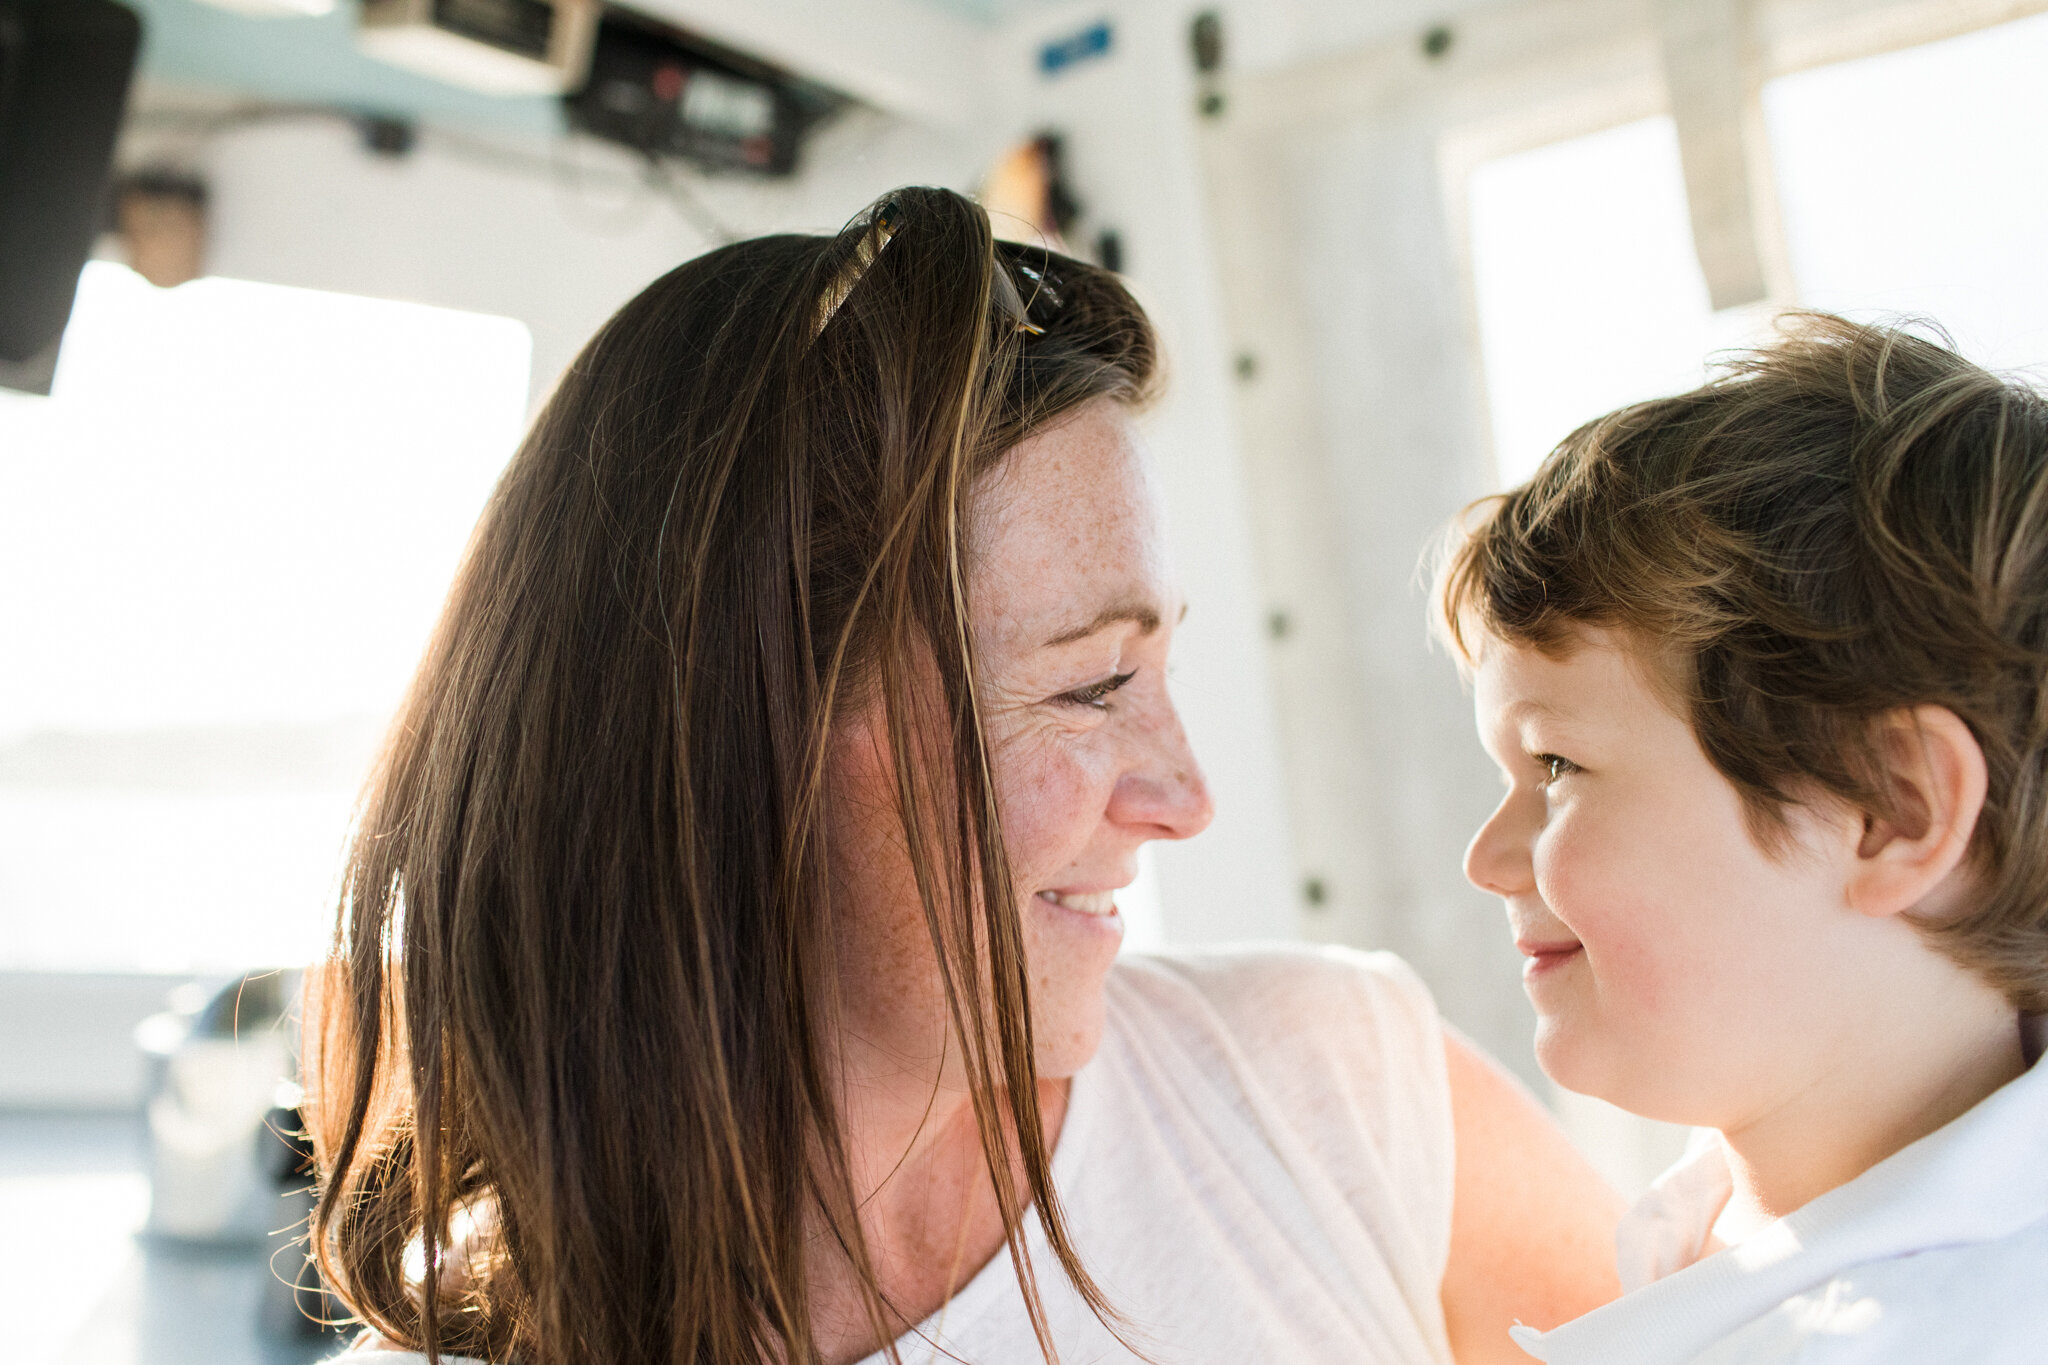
(1142,614)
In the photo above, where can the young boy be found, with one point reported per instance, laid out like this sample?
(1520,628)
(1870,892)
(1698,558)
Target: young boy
(1765,667)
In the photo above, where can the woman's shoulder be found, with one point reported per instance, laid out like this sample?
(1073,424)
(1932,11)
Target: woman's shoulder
(1321,1067)
(1280,991)
(1307,1021)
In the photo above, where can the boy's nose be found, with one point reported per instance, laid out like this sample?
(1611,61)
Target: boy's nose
(1497,860)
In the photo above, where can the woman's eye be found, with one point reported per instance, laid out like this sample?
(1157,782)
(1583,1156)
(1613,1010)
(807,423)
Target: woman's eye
(1096,694)
(1555,766)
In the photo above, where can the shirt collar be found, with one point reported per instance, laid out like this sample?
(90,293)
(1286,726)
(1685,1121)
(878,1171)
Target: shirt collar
(1977,1179)
(1670,1226)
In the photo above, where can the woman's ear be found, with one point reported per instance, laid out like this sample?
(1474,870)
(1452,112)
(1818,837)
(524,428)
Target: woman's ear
(1906,860)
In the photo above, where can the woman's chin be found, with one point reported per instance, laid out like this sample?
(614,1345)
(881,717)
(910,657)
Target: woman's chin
(1066,1035)
(1069,952)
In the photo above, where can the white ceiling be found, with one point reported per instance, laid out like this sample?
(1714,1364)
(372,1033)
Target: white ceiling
(1283,32)
(1263,33)
(910,56)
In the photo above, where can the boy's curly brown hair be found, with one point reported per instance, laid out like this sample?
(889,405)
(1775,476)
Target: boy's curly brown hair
(1851,520)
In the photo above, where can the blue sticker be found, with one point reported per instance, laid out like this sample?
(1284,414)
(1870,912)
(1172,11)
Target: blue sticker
(1087,45)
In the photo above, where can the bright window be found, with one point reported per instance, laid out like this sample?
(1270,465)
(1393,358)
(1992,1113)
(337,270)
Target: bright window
(1917,182)
(223,540)
(1910,183)
(1588,293)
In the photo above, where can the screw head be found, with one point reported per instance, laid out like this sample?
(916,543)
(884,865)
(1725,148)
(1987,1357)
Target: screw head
(1205,40)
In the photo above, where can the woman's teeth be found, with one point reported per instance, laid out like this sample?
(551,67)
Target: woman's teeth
(1087,902)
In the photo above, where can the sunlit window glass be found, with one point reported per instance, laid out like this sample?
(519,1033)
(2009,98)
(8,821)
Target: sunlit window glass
(223,540)
(1911,183)
(1917,182)
(1587,289)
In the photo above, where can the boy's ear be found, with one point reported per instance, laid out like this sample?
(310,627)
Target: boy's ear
(1936,769)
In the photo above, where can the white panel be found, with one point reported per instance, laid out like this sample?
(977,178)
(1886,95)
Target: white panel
(1713,73)
(1374,439)
(1129,123)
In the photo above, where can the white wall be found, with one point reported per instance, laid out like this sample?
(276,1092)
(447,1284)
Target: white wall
(1367,433)
(557,236)
(1129,124)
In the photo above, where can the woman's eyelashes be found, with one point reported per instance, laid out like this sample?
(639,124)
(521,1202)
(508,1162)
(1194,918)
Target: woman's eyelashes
(1096,694)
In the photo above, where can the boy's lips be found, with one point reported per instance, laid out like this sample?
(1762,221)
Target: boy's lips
(1547,955)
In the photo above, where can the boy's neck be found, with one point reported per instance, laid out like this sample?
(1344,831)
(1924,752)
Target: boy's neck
(1901,1080)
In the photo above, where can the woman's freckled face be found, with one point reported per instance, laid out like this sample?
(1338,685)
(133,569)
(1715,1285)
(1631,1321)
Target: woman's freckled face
(1671,960)
(1073,612)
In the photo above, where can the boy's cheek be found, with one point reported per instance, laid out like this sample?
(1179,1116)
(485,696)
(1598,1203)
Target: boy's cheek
(1649,988)
(1583,879)
(1639,956)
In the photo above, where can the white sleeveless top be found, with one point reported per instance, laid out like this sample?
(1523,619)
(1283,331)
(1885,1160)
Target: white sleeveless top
(1256,1168)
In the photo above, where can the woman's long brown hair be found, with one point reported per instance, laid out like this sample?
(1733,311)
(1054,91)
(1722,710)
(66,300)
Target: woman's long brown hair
(569,1071)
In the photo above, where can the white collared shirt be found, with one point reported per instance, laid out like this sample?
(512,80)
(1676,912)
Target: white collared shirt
(1937,1254)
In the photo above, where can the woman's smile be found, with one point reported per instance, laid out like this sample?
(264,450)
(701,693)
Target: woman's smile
(1094,904)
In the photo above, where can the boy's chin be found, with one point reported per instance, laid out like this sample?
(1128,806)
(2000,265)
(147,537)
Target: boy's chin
(1581,1060)
(1560,1054)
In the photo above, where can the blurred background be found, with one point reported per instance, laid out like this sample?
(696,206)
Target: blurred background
(339,250)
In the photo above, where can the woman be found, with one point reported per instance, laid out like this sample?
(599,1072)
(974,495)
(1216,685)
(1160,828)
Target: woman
(730,930)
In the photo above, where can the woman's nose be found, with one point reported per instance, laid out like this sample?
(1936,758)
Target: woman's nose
(1497,860)
(1165,790)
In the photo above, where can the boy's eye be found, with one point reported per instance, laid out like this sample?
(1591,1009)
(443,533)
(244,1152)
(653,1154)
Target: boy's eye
(1096,694)
(1555,766)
